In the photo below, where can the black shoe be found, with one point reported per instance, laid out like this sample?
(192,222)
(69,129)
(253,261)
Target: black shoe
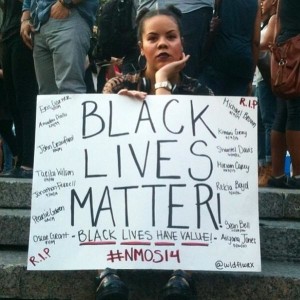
(281,182)
(294,183)
(26,173)
(17,172)
(111,287)
(178,287)
(12,173)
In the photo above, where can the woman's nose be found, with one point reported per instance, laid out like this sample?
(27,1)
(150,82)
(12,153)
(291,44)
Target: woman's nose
(162,43)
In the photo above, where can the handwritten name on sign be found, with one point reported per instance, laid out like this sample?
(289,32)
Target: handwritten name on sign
(167,183)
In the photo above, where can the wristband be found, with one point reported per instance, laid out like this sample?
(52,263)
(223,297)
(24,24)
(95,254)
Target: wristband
(164,84)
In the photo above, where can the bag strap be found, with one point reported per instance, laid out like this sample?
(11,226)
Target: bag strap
(277,23)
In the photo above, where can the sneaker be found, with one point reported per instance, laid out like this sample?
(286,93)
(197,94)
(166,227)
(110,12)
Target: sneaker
(265,173)
(294,183)
(281,182)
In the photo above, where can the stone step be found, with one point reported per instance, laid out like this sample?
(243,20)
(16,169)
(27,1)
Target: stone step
(279,203)
(15,193)
(280,239)
(278,280)
(273,203)
(14,224)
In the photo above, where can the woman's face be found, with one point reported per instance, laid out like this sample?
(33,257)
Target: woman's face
(266,6)
(161,42)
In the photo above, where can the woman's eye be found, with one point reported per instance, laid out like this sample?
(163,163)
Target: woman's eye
(151,38)
(172,37)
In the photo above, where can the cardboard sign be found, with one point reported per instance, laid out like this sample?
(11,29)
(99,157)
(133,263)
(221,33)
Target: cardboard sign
(168,183)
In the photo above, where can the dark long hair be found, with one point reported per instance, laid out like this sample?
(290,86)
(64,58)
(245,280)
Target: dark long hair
(145,14)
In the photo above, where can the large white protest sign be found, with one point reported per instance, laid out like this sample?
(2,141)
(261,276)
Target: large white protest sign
(167,183)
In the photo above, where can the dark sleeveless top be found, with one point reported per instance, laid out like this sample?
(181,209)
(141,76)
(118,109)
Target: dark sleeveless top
(289,14)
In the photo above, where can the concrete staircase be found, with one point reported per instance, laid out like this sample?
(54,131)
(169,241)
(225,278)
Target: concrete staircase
(280,248)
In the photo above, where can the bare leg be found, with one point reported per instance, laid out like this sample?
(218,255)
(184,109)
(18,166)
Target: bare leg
(278,149)
(293,142)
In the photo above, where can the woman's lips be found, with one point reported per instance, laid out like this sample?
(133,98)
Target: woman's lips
(163,55)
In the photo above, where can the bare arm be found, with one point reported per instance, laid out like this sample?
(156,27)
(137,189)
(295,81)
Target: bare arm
(256,37)
(167,72)
(255,44)
(268,36)
(26,29)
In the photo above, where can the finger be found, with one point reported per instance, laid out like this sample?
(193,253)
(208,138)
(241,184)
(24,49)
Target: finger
(123,92)
(27,40)
(185,57)
(28,43)
(140,95)
(133,94)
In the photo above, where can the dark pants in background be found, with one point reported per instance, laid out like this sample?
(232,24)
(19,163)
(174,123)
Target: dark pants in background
(21,88)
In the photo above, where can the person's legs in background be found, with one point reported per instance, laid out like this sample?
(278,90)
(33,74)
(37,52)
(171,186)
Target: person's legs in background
(293,140)
(267,110)
(21,88)
(279,146)
(8,158)
(195,26)
(6,131)
(1,155)
(260,143)
(26,90)
(60,50)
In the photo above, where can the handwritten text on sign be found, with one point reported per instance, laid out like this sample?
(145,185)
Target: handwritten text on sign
(166,183)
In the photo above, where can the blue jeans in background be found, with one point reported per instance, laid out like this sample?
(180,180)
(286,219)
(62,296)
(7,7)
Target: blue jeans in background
(8,158)
(267,111)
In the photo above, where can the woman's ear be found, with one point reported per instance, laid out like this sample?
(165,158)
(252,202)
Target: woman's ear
(140,45)
(141,48)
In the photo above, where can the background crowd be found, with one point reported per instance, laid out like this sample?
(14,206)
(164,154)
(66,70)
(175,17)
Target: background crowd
(47,48)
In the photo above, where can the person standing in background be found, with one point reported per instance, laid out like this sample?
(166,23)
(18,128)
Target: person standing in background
(266,98)
(231,62)
(196,16)
(6,158)
(21,88)
(61,31)
(6,125)
(285,133)
(6,122)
